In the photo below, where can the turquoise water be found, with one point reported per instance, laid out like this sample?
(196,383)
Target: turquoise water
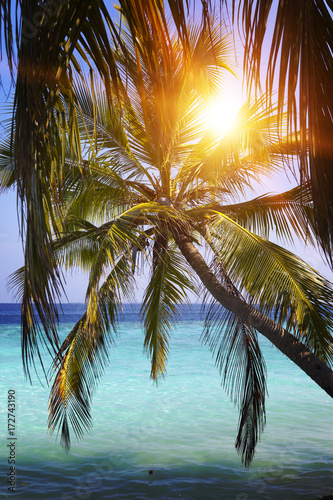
(183,430)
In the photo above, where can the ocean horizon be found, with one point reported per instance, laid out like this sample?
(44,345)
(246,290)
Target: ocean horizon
(174,440)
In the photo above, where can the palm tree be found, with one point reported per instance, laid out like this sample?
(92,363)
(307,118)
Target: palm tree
(153,182)
(47,41)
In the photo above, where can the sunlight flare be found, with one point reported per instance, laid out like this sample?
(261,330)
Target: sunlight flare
(221,116)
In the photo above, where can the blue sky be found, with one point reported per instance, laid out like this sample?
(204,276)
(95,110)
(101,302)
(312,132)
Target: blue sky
(11,255)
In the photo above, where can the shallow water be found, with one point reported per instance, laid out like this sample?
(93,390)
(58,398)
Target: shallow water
(173,441)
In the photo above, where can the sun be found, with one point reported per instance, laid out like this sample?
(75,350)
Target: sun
(221,115)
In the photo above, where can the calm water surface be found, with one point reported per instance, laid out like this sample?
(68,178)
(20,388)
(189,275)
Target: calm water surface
(171,441)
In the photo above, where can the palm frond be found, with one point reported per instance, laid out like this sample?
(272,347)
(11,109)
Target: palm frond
(300,57)
(210,47)
(39,320)
(96,249)
(287,214)
(240,362)
(46,60)
(8,31)
(83,357)
(7,167)
(165,293)
(103,128)
(78,245)
(118,238)
(111,193)
(242,366)
(167,92)
(277,282)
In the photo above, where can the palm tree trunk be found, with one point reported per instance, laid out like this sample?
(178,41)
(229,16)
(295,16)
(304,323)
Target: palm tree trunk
(281,338)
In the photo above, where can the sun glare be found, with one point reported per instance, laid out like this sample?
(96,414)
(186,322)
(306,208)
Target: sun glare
(222,114)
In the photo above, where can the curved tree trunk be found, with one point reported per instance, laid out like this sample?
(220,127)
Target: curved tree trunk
(281,338)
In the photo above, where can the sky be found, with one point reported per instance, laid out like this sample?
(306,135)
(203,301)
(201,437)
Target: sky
(11,254)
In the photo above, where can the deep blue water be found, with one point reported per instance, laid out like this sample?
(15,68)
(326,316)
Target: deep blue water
(183,430)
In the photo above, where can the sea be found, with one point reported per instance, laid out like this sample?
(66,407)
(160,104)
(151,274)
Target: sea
(174,440)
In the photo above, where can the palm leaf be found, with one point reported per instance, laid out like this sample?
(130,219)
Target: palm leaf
(83,357)
(118,237)
(110,193)
(301,57)
(288,214)
(46,58)
(96,248)
(241,364)
(7,168)
(77,247)
(103,128)
(165,293)
(278,282)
